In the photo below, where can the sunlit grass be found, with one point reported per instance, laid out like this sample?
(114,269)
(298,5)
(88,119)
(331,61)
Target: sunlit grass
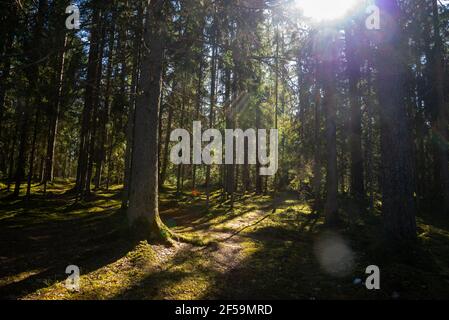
(265,241)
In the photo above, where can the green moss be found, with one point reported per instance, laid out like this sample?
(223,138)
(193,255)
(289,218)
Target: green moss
(206,252)
(142,255)
(192,238)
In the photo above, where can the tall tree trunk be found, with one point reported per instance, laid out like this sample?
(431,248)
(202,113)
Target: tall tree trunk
(179,175)
(89,99)
(33,152)
(396,174)
(132,105)
(231,124)
(11,156)
(245,174)
(257,175)
(330,110)
(357,188)
(441,121)
(212,100)
(276,96)
(167,140)
(199,96)
(317,175)
(20,162)
(369,150)
(54,118)
(32,75)
(101,149)
(3,88)
(95,118)
(228,109)
(143,211)
(7,38)
(160,133)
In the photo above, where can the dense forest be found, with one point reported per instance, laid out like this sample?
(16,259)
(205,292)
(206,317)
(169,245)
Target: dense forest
(360,101)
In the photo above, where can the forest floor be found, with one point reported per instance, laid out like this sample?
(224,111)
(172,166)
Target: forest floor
(266,247)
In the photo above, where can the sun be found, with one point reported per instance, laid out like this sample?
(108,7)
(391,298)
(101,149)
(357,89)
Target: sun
(322,10)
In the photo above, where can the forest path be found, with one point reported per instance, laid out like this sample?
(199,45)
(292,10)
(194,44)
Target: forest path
(233,237)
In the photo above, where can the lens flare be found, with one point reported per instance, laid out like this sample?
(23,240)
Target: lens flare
(334,254)
(321,10)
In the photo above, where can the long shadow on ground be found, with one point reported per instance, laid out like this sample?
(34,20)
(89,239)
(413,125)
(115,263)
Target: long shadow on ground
(42,236)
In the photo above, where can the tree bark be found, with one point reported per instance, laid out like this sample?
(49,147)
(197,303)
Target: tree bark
(212,100)
(104,114)
(441,120)
(132,106)
(199,96)
(330,110)
(33,152)
(32,75)
(54,119)
(257,175)
(357,187)
(180,168)
(317,175)
(143,211)
(7,38)
(396,153)
(89,100)
(167,140)
(20,162)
